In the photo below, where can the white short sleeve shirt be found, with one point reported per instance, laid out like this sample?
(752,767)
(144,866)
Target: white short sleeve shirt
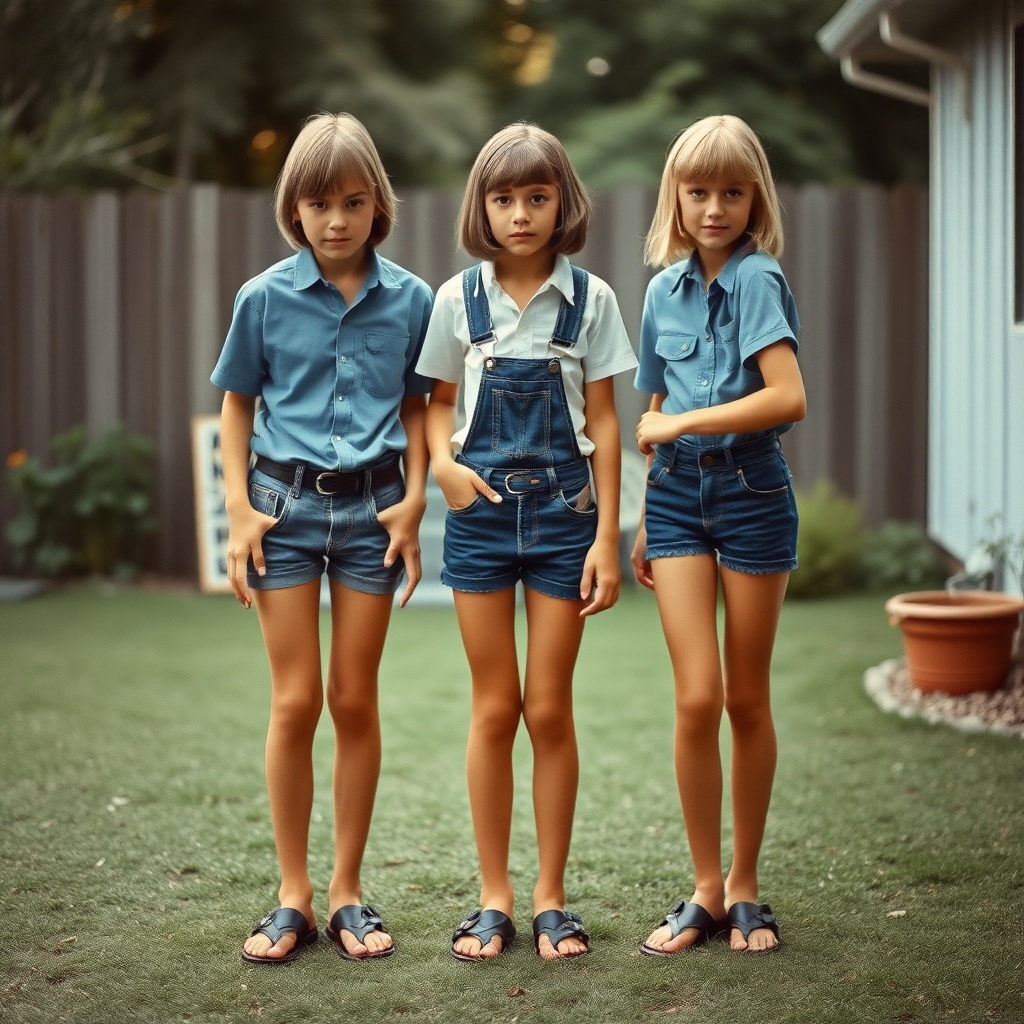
(603,348)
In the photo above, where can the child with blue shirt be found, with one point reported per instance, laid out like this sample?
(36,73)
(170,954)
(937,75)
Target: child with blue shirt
(535,344)
(327,340)
(718,354)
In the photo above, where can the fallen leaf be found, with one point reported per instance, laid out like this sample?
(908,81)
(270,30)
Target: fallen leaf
(896,913)
(71,938)
(516,991)
(414,888)
(101,862)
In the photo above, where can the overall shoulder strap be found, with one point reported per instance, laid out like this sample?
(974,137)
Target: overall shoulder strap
(478,312)
(570,315)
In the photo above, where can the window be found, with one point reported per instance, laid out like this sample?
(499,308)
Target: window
(1018,173)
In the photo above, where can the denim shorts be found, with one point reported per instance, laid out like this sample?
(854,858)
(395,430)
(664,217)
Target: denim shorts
(737,502)
(315,530)
(540,532)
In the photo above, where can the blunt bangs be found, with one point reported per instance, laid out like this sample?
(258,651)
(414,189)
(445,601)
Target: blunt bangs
(330,150)
(523,154)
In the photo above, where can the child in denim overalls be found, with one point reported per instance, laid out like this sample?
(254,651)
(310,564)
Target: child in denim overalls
(327,339)
(718,354)
(537,342)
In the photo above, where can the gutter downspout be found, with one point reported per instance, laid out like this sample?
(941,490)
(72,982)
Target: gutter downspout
(854,74)
(892,35)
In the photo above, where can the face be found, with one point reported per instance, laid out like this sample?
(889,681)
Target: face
(337,225)
(715,213)
(523,218)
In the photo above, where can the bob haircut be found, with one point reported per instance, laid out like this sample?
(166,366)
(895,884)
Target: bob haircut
(331,149)
(523,154)
(713,147)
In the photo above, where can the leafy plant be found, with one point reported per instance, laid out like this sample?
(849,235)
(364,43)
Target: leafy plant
(1005,549)
(900,555)
(829,543)
(88,512)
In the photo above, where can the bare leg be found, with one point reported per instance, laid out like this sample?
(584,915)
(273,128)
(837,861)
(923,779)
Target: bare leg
(487,624)
(555,630)
(359,623)
(687,592)
(290,621)
(752,606)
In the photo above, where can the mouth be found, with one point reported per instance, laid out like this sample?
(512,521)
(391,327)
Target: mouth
(522,235)
(716,227)
(336,241)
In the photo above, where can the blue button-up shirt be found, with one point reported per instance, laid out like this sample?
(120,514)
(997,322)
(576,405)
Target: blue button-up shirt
(697,347)
(331,376)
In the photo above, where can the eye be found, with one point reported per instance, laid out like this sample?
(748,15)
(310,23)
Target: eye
(734,193)
(318,204)
(354,204)
(697,193)
(538,198)
(501,200)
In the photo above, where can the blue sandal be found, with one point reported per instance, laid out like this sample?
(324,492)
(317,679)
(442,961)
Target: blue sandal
(360,920)
(277,923)
(484,925)
(687,915)
(558,925)
(748,916)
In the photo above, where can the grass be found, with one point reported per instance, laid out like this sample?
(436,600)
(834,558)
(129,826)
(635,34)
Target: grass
(136,846)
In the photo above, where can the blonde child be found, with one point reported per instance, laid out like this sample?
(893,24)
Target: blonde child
(536,342)
(718,354)
(327,339)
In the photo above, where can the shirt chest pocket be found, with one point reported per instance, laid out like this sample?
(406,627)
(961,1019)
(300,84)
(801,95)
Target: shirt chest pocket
(383,369)
(674,347)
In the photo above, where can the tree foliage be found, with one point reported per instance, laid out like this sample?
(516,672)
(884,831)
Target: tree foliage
(122,91)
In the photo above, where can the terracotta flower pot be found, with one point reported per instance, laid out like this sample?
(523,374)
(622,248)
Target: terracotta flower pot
(958,642)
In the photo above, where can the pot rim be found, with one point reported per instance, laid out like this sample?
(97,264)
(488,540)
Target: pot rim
(940,604)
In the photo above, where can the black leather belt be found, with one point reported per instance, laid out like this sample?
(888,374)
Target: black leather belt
(328,481)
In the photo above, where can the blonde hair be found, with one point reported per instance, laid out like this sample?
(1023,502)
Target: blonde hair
(717,146)
(523,154)
(331,149)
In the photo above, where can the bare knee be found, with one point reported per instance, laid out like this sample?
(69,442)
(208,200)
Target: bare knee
(749,712)
(549,723)
(296,711)
(495,722)
(699,713)
(353,709)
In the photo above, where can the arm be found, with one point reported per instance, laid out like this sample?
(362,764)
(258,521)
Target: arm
(459,484)
(402,521)
(641,566)
(781,400)
(601,572)
(246,526)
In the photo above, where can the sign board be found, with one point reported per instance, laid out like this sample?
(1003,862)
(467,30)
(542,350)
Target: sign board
(211,514)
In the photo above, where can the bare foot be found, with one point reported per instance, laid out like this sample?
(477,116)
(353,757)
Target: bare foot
(472,945)
(661,937)
(760,940)
(260,945)
(571,945)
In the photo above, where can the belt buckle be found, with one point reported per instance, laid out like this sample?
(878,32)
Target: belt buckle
(533,479)
(320,476)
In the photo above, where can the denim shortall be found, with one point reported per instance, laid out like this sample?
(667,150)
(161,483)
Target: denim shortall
(522,442)
(736,501)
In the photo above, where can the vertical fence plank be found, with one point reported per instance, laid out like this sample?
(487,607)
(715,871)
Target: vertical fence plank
(102,321)
(204,296)
(35,355)
(10,436)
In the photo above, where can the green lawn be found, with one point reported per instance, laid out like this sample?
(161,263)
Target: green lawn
(136,847)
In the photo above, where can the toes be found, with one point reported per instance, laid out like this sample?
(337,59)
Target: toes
(352,945)
(469,946)
(493,948)
(685,938)
(546,950)
(376,942)
(257,945)
(737,942)
(571,947)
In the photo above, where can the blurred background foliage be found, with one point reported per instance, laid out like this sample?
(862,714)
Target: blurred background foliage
(160,92)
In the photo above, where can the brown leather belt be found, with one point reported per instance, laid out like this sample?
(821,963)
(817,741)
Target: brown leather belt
(329,481)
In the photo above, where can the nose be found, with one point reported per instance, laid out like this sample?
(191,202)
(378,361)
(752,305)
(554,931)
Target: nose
(521,213)
(714,207)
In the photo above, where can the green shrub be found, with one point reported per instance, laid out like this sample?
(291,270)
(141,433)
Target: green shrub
(899,555)
(828,545)
(89,512)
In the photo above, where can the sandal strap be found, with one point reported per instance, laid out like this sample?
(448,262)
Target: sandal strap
(748,916)
(558,925)
(690,915)
(358,919)
(484,925)
(280,921)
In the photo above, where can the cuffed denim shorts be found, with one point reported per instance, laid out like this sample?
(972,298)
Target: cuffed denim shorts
(736,502)
(540,532)
(316,531)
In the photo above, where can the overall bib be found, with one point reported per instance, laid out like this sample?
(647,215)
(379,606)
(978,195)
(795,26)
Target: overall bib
(522,442)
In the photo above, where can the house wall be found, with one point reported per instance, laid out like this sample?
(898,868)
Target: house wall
(976,408)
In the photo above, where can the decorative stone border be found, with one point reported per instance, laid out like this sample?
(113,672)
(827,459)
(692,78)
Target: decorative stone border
(1000,711)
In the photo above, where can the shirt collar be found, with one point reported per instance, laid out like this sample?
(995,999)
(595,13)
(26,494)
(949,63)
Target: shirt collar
(726,276)
(561,277)
(307,272)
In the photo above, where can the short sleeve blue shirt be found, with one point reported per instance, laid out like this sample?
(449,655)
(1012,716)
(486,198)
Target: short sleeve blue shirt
(697,347)
(331,376)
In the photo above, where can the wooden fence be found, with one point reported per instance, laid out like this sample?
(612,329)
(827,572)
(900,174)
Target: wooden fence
(114,307)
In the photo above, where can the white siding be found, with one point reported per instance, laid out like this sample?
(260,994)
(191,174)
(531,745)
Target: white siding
(977,355)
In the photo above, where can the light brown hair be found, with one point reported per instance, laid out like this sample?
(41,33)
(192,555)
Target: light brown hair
(523,154)
(717,146)
(332,149)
